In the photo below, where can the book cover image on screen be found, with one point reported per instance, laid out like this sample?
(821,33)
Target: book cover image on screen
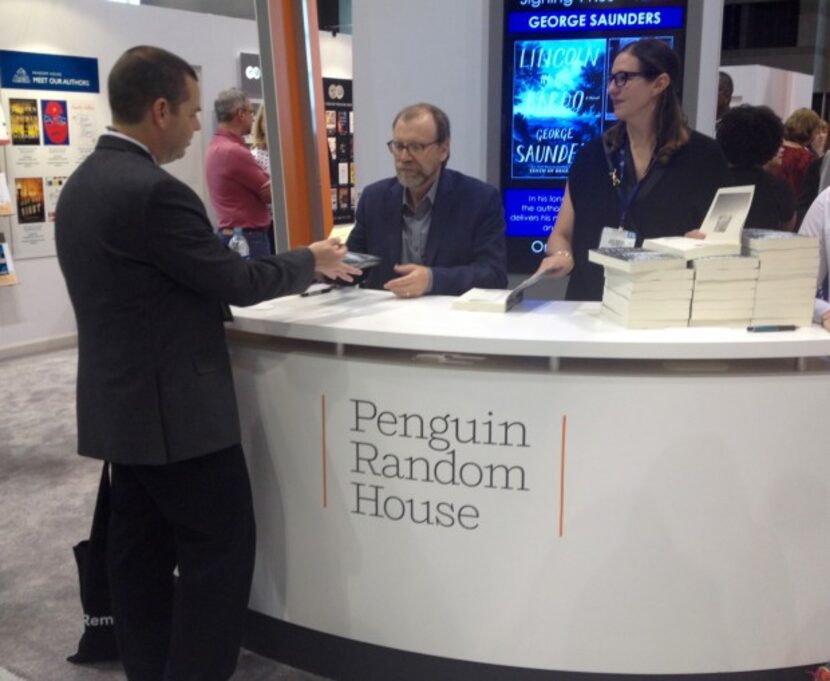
(721,227)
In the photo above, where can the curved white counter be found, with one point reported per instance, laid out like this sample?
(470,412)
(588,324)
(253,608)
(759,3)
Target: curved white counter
(455,498)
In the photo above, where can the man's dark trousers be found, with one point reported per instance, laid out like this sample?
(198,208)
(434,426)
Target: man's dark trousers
(198,515)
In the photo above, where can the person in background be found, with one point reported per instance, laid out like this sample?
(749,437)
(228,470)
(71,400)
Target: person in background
(750,136)
(436,230)
(240,191)
(149,284)
(259,150)
(818,145)
(817,177)
(648,176)
(796,155)
(259,142)
(725,89)
(817,223)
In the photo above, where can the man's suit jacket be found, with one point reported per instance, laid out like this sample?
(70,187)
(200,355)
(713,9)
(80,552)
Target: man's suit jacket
(466,242)
(148,280)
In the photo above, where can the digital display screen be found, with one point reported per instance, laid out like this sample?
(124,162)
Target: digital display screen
(557,58)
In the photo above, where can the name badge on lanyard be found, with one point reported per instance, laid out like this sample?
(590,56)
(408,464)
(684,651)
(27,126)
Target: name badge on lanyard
(620,237)
(617,237)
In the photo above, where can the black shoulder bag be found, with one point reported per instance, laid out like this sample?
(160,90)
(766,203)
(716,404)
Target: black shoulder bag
(97,643)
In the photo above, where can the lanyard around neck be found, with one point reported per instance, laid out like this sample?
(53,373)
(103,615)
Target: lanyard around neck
(617,174)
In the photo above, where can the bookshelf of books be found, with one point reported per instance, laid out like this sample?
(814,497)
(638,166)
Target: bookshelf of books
(339,114)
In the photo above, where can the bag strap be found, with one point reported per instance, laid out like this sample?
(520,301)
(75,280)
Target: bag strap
(101,517)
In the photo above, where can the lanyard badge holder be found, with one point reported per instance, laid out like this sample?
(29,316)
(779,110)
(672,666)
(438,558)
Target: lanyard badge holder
(619,237)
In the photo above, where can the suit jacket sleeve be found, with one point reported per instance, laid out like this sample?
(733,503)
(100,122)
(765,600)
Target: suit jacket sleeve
(357,237)
(184,247)
(488,266)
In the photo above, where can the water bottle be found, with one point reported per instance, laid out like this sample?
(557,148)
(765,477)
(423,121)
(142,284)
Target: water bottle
(239,244)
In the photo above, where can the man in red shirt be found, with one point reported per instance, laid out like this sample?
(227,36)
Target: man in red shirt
(239,189)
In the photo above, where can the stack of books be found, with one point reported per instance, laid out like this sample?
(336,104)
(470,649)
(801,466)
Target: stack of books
(724,290)
(787,273)
(644,289)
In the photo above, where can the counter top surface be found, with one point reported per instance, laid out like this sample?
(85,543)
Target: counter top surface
(534,328)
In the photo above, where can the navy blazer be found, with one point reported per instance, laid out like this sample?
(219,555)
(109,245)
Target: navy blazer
(148,279)
(466,242)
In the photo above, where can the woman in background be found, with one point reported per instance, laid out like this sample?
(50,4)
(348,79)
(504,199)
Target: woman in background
(750,137)
(648,176)
(796,155)
(259,141)
(259,150)
(818,145)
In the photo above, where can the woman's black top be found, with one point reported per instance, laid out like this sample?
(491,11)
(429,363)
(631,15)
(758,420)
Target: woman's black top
(672,200)
(773,203)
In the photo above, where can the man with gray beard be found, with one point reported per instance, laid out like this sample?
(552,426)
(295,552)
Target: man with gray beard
(436,230)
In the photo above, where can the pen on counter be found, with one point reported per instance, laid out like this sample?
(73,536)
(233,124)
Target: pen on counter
(317,291)
(764,328)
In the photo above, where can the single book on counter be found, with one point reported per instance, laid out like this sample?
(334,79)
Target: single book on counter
(722,227)
(494,299)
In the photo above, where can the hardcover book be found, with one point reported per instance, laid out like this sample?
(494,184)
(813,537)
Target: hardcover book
(758,240)
(725,262)
(646,309)
(495,300)
(633,290)
(635,321)
(651,277)
(635,259)
(721,227)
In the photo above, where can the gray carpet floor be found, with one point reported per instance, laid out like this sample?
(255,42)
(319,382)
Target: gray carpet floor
(47,493)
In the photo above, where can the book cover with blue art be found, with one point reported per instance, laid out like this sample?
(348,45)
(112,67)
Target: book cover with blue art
(558,97)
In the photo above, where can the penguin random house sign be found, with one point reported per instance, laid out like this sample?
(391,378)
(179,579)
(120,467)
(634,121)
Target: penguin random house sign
(52,108)
(517,519)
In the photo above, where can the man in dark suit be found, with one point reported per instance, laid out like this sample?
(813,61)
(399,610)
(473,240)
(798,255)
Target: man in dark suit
(437,231)
(149,283)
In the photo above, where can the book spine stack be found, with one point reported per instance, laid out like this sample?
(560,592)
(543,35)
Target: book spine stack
(787,274)
(724,291)
(647,300)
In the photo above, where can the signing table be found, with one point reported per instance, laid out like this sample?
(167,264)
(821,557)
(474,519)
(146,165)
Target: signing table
(454,494)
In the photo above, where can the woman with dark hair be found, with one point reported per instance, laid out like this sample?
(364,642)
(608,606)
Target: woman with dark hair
(750,137)
(648,176)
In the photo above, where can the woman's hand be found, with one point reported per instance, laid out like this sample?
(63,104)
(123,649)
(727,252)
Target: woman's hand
(557,264)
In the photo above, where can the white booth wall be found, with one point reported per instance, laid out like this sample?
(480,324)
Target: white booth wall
(782,91)
(430,51)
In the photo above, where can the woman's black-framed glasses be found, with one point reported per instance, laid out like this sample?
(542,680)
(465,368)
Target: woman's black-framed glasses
(414,148)
(621,78)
